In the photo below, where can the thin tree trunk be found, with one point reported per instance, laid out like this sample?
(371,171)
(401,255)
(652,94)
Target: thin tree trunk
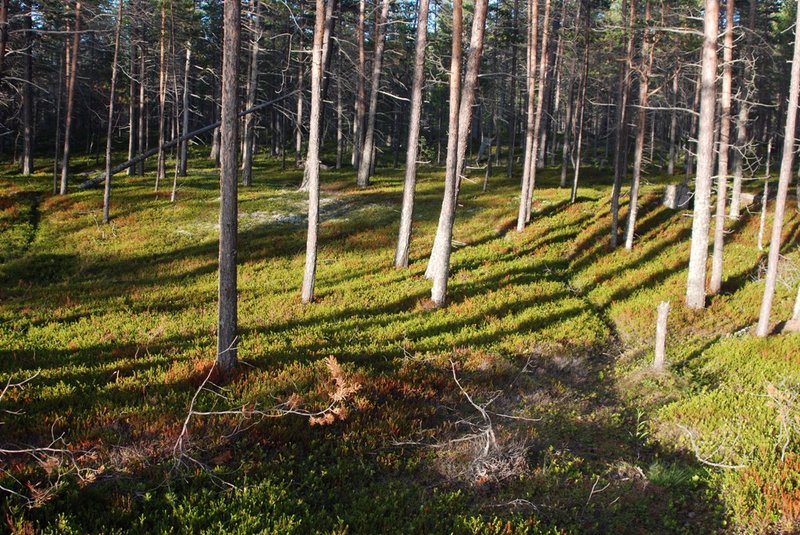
(252,88)
(162,96)
(61,68)
(742,120)
(228,212)
(621,140)
(71,82)
(537,125)
(312,159)
(569,126)
(109,131)
(762,225)
(441,268)
(27,95)
(512,122)
(644,88)
(785,177)
(673,124)
(533,22)
(412,150)
(724,148)
(339,110)
(361,95)
(365,169)
(696,280)
(142,106)
(131,98)
(184,147)
(580,113)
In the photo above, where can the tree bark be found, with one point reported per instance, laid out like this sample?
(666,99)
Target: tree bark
(450,166)
(537,124)
(724,148)
(644,88)
(673,124)
(621,139)
(131,97)
(312,159)
(27,95)
(184,146)
(71,82)
(580,114)
(110,130)
(142,106)
(512,121)
(361,95)
(162,96)
(412,151)
(787,161)
(228,212)
(533,22)
(252,88)
(453,175)
(365,169)
(696,280)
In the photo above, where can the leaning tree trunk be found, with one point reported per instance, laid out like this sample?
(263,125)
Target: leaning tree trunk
(404,237)
(724,146)
(252,88)
(71,81)
(368,153)
(441,268)
(533,21)
(621,140)
(696,280)
(229,141)
(785,177)
(110,130)
(312,158)
(644,88)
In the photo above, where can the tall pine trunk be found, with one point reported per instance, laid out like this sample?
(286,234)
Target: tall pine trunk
(696,280)
(110,130)
(644,88)
(312,158)
(533,31)
(27,95)
(785,177)
(368,152)
(621,139)
(252,88)
(441,268)
(412,151)
(724,146)
(71,81)
(228,211)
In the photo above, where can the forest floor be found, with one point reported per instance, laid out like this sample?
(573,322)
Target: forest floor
(527,405)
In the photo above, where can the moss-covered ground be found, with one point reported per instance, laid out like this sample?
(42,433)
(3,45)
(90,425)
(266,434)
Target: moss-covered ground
(550,324)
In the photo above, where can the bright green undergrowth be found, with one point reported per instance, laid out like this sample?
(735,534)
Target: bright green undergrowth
(119,320)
